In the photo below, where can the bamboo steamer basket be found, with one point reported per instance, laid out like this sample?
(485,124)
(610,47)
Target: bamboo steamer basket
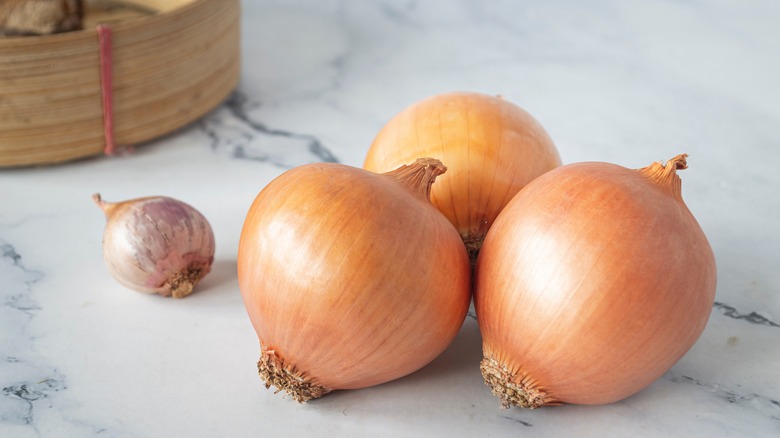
(169,69)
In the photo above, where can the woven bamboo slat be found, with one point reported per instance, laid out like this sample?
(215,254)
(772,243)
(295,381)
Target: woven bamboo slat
(169,69)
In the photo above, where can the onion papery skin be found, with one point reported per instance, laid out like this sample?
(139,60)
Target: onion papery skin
(594,281)
(492,149)
(350,278)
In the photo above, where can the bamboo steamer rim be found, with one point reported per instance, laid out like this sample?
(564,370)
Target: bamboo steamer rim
(169,69)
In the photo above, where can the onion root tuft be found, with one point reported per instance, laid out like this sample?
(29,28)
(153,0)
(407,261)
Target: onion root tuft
(183,282)
(510,390)
(273,371)
(473,242)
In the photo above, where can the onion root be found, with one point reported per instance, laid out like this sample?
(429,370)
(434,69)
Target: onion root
(511,390)
(273,371)
(183,282)
(473,242)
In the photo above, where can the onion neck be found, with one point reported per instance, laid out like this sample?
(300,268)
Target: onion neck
(107,207)
(418,176)
(665,175)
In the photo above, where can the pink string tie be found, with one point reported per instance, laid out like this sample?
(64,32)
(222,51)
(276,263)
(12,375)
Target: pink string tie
(106,86)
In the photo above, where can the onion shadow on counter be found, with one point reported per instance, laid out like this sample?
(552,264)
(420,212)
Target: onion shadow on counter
(220,282)
(455,368)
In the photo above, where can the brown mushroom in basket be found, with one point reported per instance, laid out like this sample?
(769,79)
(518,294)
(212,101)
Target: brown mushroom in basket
(40,17)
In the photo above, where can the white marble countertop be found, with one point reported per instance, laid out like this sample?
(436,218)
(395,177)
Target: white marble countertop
(624,82)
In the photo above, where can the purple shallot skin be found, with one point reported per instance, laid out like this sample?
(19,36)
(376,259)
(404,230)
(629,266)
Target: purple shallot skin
(156,244)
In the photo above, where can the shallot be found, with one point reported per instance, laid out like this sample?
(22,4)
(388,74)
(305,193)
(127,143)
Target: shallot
(156,244)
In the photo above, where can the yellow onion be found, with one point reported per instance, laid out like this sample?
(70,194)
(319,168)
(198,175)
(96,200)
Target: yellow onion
(350,278)
(593,282)
(492,148)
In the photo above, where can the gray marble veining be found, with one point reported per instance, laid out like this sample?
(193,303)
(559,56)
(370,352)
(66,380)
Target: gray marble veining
(233,129)
(26,380)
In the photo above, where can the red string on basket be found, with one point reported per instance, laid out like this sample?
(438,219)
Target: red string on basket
(106,86)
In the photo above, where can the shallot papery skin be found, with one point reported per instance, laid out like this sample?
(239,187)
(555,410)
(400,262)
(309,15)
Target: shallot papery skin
(156,244)
(593,282)
(492,149)
(350,278)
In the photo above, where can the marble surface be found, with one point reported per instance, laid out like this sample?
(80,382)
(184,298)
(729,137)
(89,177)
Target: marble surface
(625,82)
